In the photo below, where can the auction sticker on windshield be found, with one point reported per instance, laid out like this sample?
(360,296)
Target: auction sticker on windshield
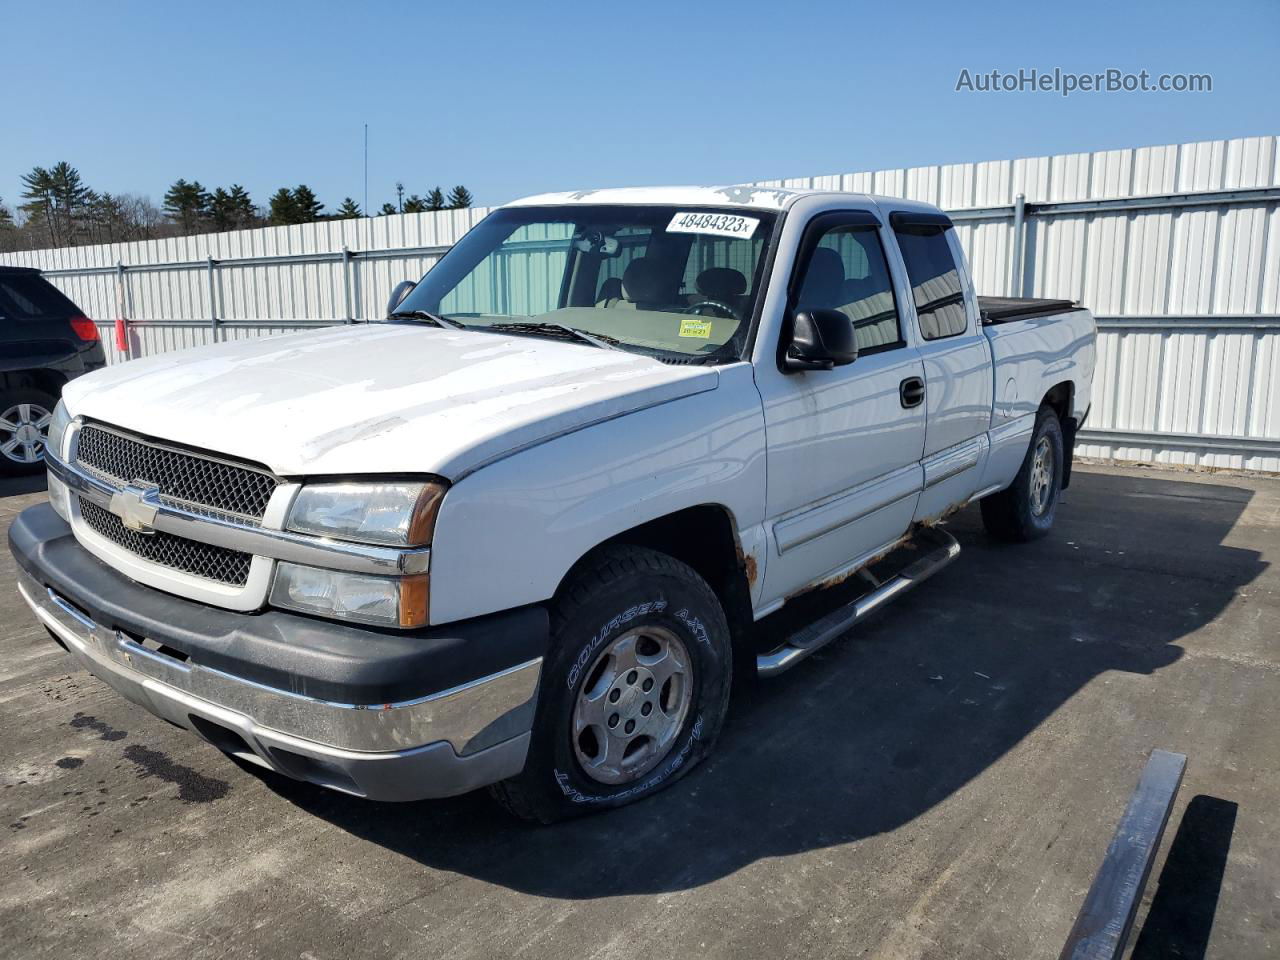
(716,224)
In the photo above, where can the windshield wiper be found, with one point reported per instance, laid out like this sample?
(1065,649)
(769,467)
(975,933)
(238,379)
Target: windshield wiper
(438,320)
(545,326)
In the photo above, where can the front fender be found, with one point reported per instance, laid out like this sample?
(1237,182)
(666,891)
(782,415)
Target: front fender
(508,533)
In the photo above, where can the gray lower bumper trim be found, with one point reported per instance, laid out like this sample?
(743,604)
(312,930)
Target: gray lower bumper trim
(370,751)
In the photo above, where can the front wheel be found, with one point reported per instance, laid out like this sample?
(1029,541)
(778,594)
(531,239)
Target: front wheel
(25,413)
(634,688)
(1025,510)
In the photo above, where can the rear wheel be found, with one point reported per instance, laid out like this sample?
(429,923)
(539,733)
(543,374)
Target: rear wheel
(25,413)
(1025,510)
(634,688)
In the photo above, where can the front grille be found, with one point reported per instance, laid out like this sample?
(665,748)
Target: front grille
(186,480)
(190,556)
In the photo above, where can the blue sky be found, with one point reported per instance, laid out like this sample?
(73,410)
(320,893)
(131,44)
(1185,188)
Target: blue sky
(519,98)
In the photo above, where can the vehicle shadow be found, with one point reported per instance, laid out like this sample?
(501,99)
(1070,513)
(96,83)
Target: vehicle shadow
(18,486)
(884,725)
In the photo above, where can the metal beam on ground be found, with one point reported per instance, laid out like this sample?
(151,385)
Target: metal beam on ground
(1102,927)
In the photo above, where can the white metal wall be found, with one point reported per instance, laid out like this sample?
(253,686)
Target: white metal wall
(1187,289)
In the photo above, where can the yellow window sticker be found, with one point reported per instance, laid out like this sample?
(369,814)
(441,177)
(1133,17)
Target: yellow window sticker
(696,328)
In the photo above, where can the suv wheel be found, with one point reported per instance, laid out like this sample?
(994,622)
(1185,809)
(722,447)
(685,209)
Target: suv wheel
(25,413)
(634,688)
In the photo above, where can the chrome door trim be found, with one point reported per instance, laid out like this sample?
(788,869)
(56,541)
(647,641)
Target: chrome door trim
(847,507)
(956,459)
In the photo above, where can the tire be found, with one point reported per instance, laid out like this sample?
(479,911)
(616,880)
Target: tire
(625,607)
(22,410)
(1024,511)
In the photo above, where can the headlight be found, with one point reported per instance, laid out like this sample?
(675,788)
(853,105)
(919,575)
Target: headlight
(396,514)
(385,601)
(57,430)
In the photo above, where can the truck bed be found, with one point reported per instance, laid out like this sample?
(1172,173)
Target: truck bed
(1007,309)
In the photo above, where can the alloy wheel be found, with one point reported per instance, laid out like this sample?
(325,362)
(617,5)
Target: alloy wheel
(1041,477)
(632,704)
(23,428)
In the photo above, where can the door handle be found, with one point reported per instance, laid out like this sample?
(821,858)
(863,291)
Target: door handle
(911,392)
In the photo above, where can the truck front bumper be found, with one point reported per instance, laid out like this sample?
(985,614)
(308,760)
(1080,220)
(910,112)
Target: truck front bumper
(229,677)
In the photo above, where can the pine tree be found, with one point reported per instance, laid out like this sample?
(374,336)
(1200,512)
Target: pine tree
(107,219)
(435,199)
(349,209)
(71,197)
(57,203)
(187,204)
(459,197)
(387,209)
(220,213)
(39,207)
(241,207)
(415,204)
(283,209)
(308,207)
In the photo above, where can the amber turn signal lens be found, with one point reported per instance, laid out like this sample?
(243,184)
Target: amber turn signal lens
(415,597)
(422,525)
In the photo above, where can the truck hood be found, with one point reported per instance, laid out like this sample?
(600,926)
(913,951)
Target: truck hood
(378,398)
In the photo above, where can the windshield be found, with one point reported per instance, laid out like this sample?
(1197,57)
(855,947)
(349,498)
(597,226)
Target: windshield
(673,282)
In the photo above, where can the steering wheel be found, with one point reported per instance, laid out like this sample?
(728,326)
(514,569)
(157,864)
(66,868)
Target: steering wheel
(726,310)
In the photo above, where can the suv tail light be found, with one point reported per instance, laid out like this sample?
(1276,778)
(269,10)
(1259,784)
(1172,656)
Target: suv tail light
(85,329)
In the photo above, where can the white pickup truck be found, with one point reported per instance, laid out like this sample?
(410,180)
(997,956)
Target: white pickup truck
(518,534)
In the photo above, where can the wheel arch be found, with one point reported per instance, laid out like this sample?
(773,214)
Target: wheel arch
(49,381)
(706,538)
(1060,398)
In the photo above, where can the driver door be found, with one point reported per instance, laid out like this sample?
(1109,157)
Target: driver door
(843,445)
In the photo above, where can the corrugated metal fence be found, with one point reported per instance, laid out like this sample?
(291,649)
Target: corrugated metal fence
(1176,249)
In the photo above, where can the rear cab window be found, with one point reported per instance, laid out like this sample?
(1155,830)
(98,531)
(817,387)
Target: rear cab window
(935,279)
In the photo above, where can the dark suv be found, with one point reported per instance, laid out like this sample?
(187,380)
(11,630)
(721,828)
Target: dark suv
(45,340)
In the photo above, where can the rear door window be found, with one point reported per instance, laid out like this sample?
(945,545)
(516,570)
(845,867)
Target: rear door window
(33,298)
(935,281)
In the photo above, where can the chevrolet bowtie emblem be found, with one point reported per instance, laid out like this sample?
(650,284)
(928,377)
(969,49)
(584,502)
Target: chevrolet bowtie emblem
(136,506)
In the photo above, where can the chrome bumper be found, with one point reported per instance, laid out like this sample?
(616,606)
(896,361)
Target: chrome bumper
(441,745)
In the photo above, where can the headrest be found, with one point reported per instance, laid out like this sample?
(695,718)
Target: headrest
(611,289)
(721,283)
(823,280)
(644,281)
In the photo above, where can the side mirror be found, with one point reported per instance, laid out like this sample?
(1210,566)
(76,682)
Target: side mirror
(402,290)
(820,340)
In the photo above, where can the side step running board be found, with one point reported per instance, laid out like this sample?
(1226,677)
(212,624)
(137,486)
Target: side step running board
(818,634)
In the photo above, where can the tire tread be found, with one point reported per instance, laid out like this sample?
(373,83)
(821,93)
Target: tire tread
(1007,515)
(597,573)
